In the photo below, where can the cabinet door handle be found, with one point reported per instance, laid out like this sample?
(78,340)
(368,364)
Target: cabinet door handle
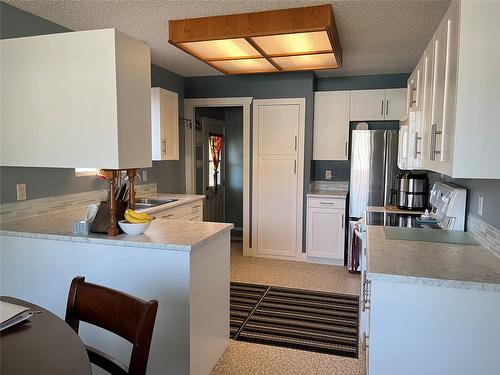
(295,143)
(416,145)
(382,108)
(342,221)
(164,145)
(366,293)
(167,216)
(326,202)
(345,149)
(387,107)
(197,206)
(295,167)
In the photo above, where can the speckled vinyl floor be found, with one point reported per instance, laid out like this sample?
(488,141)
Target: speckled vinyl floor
(242,358)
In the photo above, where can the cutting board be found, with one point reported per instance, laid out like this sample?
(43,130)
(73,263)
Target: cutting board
(430,235)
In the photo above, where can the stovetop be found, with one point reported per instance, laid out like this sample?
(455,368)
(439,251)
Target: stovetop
(391,219)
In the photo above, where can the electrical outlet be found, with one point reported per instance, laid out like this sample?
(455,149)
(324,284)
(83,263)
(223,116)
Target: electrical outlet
(328,174)
(480,202)
(21,192)
(144,176)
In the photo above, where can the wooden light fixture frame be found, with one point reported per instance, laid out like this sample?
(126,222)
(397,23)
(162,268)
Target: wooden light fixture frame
(248,25)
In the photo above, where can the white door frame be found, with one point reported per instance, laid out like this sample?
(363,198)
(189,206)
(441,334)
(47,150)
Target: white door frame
(190,106)
(301,102)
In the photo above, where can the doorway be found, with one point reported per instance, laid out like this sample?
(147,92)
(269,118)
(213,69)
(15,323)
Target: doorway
(219,165)
(211,166)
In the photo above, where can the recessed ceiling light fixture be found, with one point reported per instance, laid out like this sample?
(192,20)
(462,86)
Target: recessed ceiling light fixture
(262,42)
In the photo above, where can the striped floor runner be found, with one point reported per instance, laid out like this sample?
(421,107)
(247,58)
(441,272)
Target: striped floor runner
(295,318)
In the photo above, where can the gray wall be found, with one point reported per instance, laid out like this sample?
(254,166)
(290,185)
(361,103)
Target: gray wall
(43,182)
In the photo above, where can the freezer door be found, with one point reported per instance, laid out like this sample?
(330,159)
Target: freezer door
(367,185)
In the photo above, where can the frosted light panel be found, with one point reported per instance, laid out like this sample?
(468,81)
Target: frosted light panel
(221,49)
(306,62)
(289,44)
(244,66)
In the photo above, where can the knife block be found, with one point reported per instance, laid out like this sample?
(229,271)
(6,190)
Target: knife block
(101,221)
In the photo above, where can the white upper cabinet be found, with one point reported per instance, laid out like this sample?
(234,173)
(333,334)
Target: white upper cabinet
(77,99)
(331,125)
(373,105)
(415,89)
(395,104)
(164,124)
(461,131)
(367,105)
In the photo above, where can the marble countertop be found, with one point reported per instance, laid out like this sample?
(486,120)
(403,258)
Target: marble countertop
(431,263)
(327,194)
(162,234)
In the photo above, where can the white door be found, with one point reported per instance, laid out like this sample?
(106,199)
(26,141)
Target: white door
(367,105)
(214,205)
(395,103)
(331,125)
(278,177)
(325,235)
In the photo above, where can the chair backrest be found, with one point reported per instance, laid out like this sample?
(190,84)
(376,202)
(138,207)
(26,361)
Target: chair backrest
(128,317)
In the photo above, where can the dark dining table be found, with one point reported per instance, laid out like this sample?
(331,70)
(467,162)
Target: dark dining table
(44,344)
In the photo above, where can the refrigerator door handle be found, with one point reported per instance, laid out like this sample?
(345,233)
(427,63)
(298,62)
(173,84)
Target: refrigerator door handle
(385,168)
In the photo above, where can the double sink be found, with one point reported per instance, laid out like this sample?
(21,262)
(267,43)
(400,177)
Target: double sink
(142,203)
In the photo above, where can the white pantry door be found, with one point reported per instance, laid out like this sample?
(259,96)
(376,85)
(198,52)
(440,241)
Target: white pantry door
(278,129)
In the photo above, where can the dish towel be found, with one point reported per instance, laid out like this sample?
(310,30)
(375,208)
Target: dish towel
(356,248)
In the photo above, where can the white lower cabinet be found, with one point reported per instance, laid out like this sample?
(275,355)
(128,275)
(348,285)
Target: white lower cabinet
(192,211)
(417,329)
(326,229)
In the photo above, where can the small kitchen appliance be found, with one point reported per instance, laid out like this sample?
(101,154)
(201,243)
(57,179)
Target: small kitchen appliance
(412,189)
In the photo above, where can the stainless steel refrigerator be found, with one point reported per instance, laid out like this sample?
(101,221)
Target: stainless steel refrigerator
(374,156)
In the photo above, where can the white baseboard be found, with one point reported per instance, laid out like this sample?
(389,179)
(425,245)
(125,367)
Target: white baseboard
(333,262)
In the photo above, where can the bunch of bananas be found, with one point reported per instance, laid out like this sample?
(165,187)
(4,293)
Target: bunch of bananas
(137,217)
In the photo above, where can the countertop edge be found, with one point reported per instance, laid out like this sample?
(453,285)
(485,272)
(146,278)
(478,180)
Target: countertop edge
(95,240)
(426,281)
(327,194)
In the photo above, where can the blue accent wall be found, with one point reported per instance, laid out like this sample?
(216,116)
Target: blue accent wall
(44,182)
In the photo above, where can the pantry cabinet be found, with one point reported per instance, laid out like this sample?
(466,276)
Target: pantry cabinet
(460,82)
(373,105)
(331,125)
(76,99)
(164,124)
(326,229)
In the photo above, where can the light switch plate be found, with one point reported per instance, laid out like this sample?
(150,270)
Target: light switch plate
(480,202)
(328,174)
(144,176)
(21,192)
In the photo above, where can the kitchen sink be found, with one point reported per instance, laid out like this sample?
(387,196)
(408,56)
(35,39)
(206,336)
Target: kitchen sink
(141,203)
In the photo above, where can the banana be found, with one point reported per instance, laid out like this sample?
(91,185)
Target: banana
(137,217)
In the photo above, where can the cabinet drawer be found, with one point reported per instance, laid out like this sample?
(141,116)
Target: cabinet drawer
(183,212)
(326,203)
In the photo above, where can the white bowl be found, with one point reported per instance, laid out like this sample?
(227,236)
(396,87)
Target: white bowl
(133,228)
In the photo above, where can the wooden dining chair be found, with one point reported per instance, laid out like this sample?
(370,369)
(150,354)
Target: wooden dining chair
(128,317)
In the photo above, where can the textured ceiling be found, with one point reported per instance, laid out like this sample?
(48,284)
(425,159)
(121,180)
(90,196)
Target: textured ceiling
(377,36)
